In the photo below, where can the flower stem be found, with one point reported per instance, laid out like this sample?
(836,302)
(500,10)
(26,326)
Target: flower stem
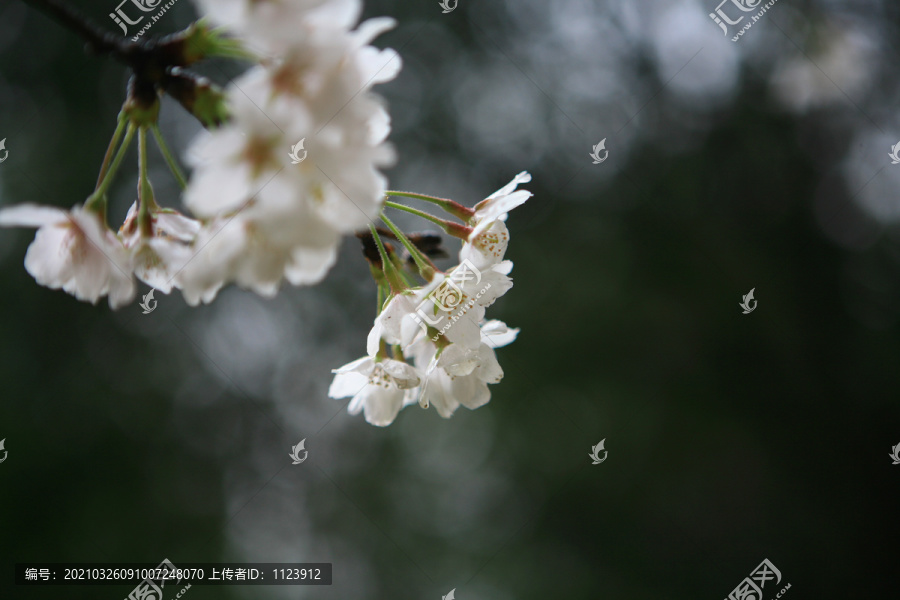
(454,208)
(454,229)
(145,190)
(390,271)
(426,270)
(99,195)
(170,160)
(117,136)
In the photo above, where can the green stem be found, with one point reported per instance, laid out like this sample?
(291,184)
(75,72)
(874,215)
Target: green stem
(146,201)
(426,270)
(117,135)
(99,195)
(390,271)
(454,229)
(170,160)
(454,208)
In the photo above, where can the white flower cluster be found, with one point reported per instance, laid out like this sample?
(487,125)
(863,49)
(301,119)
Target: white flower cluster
(262,218)
(261,214)
(269,219)
(441,328)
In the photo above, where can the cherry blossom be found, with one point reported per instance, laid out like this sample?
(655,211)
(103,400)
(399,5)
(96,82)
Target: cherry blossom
(380,389)
(454,376)
(159,256)
(75,251)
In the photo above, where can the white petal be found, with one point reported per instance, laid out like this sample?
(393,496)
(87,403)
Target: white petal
(489,370)
(496,334)
(458,360)
(497,209)
(31,215)
(487,248)
(382,405)
(523,177)
(363,366)
(310,265)
(175,225)
(347,385)
(403,374)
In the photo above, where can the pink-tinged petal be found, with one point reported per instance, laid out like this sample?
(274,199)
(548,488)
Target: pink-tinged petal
(31,215)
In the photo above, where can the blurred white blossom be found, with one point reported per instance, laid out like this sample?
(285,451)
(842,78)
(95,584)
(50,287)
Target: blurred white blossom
(75,251)
(271,219)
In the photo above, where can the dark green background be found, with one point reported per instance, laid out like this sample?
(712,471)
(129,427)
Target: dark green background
(732,438)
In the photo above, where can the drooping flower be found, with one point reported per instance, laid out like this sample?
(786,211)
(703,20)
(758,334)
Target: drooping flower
(379,388)
(74,250)
(454,376)
(453,305)
(441,325)
(161,254)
